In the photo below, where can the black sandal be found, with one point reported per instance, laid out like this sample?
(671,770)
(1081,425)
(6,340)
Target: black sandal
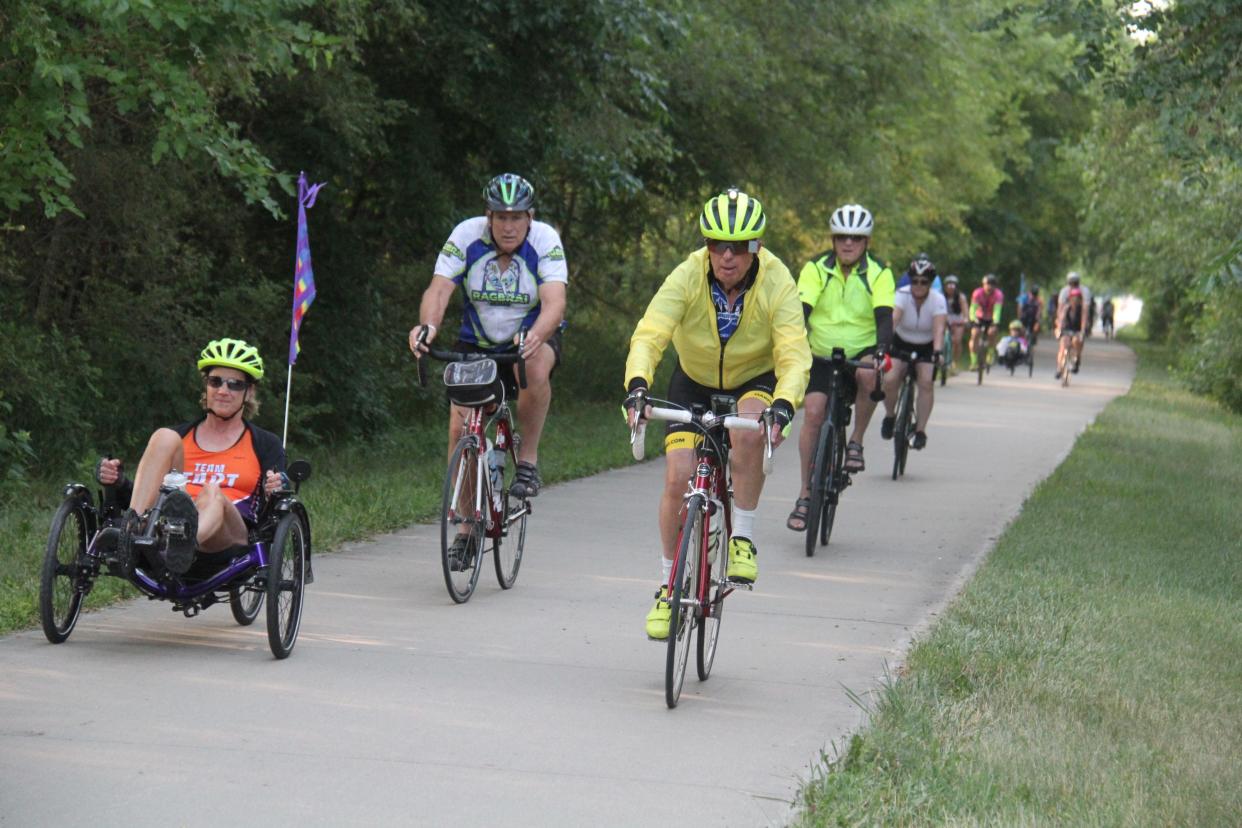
(854,457)
(801,511)
(526,481)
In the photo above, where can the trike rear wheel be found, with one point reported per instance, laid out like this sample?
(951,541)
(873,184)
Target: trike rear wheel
(245,602)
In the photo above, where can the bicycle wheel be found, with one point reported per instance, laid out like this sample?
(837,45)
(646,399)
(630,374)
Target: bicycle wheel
(64,579)
(245,602)
(286,581)
(1030,363)
(509,542)
(946,356)
(709,619)
(907,422)
(836,484)
(901,427)
(981,357)
(818,486)
(457,512)
(684,618)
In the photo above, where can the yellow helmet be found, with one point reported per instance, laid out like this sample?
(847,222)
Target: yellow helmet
(732,216)
(232,353)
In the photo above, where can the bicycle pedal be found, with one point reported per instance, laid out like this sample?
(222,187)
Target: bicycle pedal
(747,585)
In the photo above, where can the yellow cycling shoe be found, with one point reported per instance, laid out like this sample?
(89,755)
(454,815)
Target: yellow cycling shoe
(658,618)
(742,564)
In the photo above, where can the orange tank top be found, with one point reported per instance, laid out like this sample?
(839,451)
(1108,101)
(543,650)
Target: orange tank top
(236,468)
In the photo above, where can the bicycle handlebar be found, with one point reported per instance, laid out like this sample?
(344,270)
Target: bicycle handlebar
(707,419)
(838,358)
(514,358)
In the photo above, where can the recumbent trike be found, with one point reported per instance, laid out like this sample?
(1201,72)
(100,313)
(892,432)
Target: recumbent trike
(274,564)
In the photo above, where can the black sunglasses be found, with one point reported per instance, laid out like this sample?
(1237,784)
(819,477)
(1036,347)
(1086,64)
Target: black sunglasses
(233,384)
(857,239)
(920,281)
(738,247)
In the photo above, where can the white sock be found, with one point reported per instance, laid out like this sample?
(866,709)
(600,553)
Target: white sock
(666,567)
(744,523)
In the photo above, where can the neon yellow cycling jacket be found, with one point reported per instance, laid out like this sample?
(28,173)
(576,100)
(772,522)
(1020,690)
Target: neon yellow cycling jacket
(769,336)
(843,309)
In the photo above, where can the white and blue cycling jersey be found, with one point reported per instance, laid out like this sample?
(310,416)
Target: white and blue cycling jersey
(499,304)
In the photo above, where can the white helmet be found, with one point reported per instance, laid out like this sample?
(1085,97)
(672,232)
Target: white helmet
(851,220)
(1072,276)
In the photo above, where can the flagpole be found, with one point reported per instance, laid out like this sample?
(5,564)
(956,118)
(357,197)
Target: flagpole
(303,285)
(284,439)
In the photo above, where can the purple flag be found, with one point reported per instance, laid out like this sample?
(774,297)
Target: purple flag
(303,274)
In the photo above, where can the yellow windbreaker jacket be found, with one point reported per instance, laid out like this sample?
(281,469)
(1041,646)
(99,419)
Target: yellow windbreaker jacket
(770,335)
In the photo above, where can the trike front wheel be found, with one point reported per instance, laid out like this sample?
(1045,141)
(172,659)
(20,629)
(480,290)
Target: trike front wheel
(65,578)
(286,583)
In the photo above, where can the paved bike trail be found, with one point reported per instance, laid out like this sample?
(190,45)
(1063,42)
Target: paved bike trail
(542,705)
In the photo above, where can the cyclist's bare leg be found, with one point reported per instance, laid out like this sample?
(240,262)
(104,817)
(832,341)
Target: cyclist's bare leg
(892,382)
(864,407)
(163,453)
(457,428)
(533,402)
(747,459)
(814,410)
(678,466)
(956,332)
(220,525)
(923,408)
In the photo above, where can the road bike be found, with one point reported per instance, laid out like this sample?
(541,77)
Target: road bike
(828,477)
(476,502)
(903,414)
(981,348)
(699,584)
(946,349)
(1065,357)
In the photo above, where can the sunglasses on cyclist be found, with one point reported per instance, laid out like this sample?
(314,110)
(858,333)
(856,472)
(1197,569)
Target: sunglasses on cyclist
(235,385)
(738,247)
(920,281)
(855,239)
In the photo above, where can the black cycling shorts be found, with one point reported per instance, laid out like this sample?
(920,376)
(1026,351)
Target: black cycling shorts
(922,353)
(686,392)
(821,375)
(508,373)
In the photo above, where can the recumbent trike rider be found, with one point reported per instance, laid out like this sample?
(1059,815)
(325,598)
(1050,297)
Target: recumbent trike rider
(256,547)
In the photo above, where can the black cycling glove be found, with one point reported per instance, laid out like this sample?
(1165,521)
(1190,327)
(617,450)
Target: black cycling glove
(781,413)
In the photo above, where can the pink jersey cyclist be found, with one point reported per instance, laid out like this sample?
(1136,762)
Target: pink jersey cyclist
(986,304)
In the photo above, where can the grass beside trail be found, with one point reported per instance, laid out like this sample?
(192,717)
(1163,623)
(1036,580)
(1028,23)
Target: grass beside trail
(1091,672)
(354,492)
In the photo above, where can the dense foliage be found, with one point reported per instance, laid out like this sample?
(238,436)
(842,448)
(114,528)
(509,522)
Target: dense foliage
(148,150)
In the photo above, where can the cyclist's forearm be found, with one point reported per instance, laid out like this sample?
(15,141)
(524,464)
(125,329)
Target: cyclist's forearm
(551,311)
(996,313)
(884,328)
(435,301)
